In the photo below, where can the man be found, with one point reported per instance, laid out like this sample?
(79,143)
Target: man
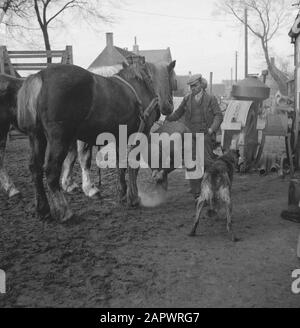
(202,114)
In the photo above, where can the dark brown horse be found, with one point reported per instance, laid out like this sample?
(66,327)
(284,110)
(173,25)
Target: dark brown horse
(9,87)
(165,83)
(64,102)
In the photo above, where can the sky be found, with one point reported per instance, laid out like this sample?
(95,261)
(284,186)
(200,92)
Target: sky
(199,41)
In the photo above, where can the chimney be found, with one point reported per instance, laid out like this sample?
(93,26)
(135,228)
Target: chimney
(109,40)
(135,47)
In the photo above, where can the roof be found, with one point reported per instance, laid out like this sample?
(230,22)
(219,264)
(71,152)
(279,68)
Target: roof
(157,56)
(125,53)
(111,56)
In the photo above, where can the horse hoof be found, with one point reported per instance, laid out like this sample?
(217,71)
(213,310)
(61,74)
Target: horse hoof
(94,193)
(70,189)
(67,216)
(73,221)
(91,192)
(192,234)
(14,192)
(134,203)
(44,216)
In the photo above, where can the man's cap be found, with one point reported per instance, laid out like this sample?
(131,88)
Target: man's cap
(194,79)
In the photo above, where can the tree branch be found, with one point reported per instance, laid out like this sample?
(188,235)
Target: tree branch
(67,5)
(38,15)
(243,21)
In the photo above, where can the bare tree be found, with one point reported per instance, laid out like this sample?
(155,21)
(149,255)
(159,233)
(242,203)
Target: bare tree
(265,19)
(22,15)
(11,6)
(4,7)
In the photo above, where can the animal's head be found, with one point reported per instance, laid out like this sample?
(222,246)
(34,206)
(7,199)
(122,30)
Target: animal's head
(138,75)
(164,80)
(159,80)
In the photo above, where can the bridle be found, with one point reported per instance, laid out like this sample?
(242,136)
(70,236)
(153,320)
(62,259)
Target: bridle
(143,114)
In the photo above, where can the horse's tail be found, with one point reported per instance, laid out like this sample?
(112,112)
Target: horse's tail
(27,102)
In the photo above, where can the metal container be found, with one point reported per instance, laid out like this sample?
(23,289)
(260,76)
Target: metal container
(250,88)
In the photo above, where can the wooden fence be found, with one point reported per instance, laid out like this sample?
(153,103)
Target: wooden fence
(11,62)
(16,61)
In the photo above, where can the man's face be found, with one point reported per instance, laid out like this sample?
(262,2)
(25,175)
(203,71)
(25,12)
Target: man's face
(195,88)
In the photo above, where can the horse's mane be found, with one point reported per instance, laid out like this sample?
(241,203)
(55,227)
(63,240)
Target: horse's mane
(141,72)
(133,71)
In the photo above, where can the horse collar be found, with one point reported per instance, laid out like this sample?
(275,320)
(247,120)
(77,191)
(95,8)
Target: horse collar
(129,86)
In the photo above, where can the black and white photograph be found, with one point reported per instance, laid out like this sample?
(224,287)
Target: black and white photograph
(149,156)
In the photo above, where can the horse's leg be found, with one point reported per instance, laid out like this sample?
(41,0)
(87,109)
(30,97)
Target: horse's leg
(133,199)
(58,145)
(121,184)
(85,160)
(38,145)
(68,184)
(5,180)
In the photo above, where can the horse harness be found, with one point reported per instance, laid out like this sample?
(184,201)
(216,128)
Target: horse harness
(143,115)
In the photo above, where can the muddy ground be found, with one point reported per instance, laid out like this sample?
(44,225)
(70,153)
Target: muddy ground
(116,257)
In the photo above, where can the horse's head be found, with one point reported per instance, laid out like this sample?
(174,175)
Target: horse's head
(164,81)
(158,79)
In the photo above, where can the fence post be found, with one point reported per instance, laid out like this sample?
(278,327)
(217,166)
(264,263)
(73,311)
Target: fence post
(2,64)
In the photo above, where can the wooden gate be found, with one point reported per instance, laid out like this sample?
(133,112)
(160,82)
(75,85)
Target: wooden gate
(12,62)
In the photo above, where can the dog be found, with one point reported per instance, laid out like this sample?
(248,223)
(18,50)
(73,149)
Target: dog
(216,189)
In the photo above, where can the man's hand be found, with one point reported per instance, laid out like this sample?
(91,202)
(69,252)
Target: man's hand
(210,131)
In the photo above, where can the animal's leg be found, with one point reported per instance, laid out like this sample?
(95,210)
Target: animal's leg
(68,184)
(85,160)
(165,181)
(121,184)
(38,147)
(229,221)
(5,180)
(133,199)
(161,178)
(57,149)
(199,208)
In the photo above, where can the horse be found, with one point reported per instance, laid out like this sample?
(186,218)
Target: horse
(63,103)
(83,151)
(9,87)
(80,151)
